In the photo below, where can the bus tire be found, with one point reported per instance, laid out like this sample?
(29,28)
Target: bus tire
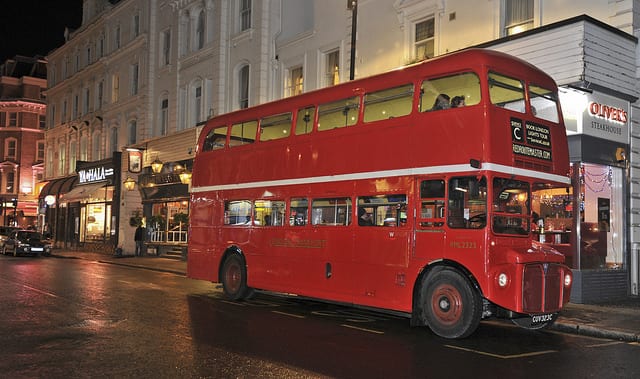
(234,277)
(451,306)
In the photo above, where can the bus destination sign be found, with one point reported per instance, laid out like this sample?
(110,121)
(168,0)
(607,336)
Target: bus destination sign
(530,139)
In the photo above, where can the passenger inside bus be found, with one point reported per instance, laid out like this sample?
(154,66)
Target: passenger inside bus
(364,218)
(442,102)
(457,102)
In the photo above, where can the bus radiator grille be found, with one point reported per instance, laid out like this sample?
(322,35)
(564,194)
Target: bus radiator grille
(542,288)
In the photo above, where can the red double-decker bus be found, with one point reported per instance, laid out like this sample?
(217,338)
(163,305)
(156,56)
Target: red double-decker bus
(408,191)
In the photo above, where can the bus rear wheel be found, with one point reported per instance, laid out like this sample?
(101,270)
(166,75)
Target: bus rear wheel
(451,306)
(234,278)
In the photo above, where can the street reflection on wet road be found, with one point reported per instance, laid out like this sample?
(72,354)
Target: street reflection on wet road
(75,318)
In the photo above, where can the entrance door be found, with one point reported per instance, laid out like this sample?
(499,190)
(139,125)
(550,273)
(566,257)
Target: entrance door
(430,219)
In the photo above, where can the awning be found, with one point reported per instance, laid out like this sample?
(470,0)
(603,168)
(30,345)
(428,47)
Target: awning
(58,186)
(169,192)
(83,192)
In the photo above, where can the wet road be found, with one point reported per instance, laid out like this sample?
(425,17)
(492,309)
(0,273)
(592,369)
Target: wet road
(76,318)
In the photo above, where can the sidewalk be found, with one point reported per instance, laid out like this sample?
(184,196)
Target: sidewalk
(619,320)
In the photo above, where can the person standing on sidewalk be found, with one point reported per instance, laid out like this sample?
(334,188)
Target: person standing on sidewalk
(139,238)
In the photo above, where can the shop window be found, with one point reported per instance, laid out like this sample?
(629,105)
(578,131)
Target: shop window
(601,217)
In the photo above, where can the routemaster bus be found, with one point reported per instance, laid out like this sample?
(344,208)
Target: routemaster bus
(408,192)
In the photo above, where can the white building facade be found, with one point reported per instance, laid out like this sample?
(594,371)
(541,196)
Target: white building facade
(144,74)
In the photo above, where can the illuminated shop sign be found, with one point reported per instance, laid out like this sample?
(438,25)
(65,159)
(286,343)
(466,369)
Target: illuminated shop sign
(94,174)
(595,114)
(607,112)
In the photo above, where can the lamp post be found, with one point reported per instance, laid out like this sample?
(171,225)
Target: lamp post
(353,5)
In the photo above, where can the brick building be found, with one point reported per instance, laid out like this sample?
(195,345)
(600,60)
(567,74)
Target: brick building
(22,123)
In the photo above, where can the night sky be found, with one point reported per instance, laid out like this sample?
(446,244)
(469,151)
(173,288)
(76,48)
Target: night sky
(35,27)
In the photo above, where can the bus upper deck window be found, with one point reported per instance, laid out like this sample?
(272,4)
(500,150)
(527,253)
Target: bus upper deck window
(388,103)
(506,92)
(338,114)
(243,133)
(275,127)
(450,92)
(544,103)
(305,119)
(216,139)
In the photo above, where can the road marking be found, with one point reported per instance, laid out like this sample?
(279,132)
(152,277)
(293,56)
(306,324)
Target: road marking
(605,344)
(288,314)
(363,329)
(634,343)
(532,354)
(233,303)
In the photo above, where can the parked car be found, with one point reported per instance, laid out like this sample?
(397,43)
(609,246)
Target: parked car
(26,242)
(4,233)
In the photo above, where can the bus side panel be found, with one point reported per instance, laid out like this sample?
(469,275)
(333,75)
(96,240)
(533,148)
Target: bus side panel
(381,278)
(204,253)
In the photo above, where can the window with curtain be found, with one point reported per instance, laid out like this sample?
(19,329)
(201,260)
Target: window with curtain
(518,16)
(243,87)
(332,68)
(424,39)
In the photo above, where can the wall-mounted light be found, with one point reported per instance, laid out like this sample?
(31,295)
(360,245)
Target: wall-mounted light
(129,184)
(156,166)
(185,177)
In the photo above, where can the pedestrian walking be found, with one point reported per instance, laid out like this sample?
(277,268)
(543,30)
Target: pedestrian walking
(139,238)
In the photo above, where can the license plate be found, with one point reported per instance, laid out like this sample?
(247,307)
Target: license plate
(37,249)
(541,319)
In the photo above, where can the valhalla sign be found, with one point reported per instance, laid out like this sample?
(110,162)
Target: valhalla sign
(94,174)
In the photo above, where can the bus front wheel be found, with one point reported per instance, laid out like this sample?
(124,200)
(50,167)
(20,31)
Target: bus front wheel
(451,306)
(234,277)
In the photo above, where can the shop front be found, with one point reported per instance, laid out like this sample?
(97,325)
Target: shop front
(52,215)
(587,222)
(165,200)
(89,207)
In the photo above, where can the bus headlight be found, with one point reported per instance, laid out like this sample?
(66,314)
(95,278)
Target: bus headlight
(567,280)
(503,279)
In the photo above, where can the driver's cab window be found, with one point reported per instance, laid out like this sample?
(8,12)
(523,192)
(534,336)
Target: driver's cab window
(467,202)
(511,207)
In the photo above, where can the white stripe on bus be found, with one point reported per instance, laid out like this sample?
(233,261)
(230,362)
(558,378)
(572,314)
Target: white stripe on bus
(388,174)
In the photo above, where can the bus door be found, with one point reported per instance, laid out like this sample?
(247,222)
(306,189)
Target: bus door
(382,240)
(430,219)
